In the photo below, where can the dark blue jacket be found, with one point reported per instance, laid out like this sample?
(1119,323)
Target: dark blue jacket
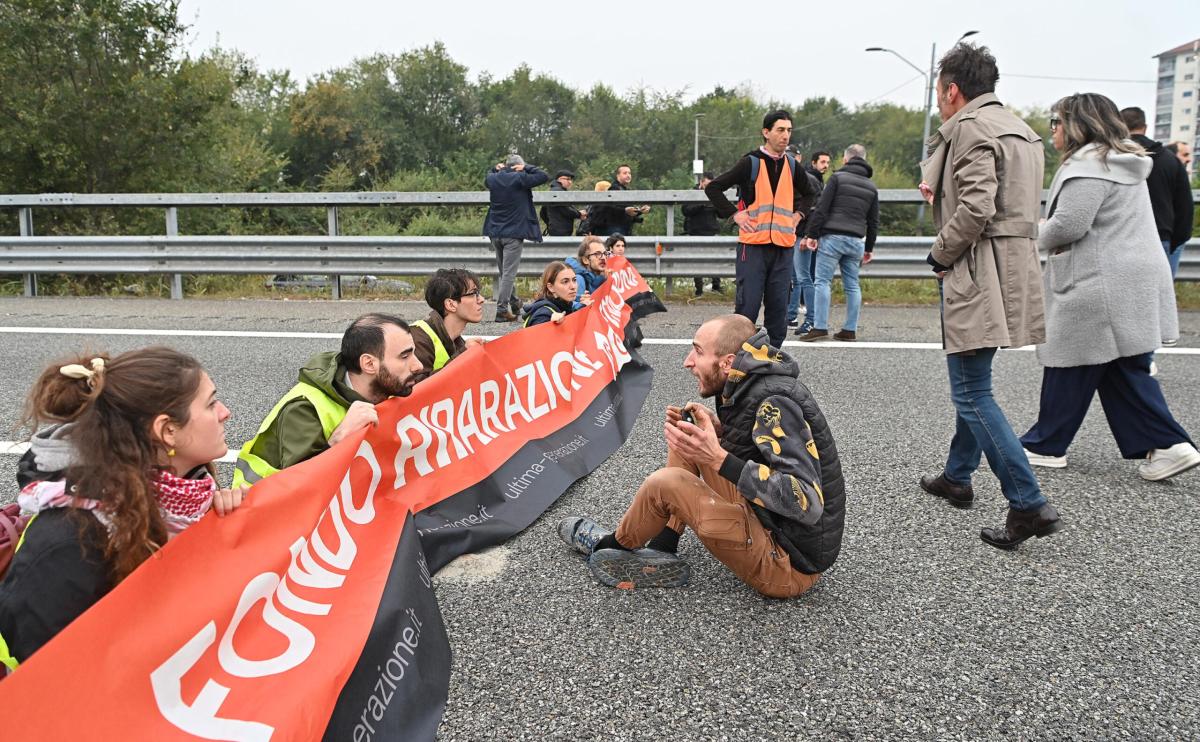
(540,310)
(511,213)
(586,280)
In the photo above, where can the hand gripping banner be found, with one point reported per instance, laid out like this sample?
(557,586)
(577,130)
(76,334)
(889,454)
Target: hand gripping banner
(309,612)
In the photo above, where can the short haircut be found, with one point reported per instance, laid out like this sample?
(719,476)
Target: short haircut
(972,68)
(448,283)
(365,335)
(583,246)
(707,175)
(856,150)
(733,330)
(774,117)
(1173,147)
(1134,118)
(819,154)
(621,166)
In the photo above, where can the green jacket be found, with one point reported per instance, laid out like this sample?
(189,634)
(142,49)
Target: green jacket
(295,432)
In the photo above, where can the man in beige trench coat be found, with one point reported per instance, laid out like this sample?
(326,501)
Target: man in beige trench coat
(984,180)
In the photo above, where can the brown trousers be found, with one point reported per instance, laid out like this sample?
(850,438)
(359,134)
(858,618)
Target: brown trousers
(701,499)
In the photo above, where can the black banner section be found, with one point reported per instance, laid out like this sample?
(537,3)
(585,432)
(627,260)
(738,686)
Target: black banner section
(399,687)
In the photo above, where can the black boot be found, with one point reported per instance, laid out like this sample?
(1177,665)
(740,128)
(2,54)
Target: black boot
(1021,524)
(959,495)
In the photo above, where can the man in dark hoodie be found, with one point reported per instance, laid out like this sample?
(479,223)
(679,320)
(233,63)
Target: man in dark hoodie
(842,230)
(758,481)
(620,218)
(335,395)
(1170,189)
(774,193)
(560,218)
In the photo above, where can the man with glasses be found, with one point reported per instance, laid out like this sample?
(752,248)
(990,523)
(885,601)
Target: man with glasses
(453,295)
(589,265)
(984,179)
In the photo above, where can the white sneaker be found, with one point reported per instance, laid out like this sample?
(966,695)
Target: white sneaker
(1153,368)
(1163,463)
(1049,462)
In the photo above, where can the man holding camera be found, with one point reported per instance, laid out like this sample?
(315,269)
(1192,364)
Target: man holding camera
(621,217)
(758,481)
(510,221)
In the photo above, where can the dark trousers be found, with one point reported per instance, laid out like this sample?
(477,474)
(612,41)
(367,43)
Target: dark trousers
(1133,404)
(716,283)
(764,278)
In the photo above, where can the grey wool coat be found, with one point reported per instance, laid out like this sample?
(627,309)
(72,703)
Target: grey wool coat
(1109,292)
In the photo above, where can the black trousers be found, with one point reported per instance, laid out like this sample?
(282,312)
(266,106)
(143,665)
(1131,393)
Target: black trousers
(764,279)
(1132,399)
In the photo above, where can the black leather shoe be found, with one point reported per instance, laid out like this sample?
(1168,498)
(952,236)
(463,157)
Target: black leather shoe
(1021,524)
(959,495)
(505,316)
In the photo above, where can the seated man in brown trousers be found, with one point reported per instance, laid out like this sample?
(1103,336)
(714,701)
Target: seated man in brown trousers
(758,481)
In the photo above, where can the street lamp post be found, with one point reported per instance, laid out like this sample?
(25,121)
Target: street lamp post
(696,144)
(929,76)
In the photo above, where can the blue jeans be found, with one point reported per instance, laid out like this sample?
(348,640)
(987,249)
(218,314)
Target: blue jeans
(1173,256)
(802,284)
(836,251)
(981,428)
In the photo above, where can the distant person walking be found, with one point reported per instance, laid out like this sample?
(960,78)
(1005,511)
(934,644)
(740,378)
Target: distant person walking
(984,179)
(1169,187)
(842,230)
(700,220)
(773,193)
(510,221)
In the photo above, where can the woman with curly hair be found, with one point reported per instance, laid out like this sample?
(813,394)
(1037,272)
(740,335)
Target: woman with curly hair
(125,465)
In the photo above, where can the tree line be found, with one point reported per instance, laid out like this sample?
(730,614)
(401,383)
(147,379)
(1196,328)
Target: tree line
(100,96)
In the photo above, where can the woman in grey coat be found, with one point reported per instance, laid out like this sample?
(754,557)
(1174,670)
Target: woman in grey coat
(1110,301)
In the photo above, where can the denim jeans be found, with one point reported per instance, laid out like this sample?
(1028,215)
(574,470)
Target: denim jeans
(802,284)
(838,250)
(1173,256)
(981,428)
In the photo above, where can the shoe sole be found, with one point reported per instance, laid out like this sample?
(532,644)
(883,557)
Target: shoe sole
(1049,530)
(960,504)
(814,340)
(1179,468)
(1048,464)
(845,340)
(627,570)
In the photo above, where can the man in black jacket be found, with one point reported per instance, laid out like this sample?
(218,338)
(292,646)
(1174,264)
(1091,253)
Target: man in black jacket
(621,217)
(758,481)
(845,222)
(560,218)
(700,220)
(1170,190)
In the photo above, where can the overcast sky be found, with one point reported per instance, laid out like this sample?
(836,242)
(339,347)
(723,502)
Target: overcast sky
(694,46)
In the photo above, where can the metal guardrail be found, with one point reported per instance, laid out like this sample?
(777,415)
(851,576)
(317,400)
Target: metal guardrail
(668,256)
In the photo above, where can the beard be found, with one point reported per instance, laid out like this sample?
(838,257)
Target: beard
(386,384)
(711,382)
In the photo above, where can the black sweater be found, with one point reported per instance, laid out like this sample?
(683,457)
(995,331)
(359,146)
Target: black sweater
(849,205)
(1170,193)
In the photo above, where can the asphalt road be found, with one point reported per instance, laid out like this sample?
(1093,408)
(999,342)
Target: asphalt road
(920,631)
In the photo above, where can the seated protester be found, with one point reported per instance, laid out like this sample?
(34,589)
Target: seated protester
(615,245)
(589,265)
(555,298)
(758,480)
(454,296)
(127,466)
(335,395)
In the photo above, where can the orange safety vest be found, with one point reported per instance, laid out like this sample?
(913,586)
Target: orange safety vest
(772,216)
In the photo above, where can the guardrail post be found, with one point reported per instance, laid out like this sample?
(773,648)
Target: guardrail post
(25,217)
(173,231)
(334,230)
(670,233)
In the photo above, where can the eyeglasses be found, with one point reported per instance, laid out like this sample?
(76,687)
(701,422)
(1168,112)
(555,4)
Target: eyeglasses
(475,294)
(1055,122)
(594,254)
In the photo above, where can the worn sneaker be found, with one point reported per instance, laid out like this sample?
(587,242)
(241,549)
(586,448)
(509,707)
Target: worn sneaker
(794,322)
(581,534)
(813,335)
(1164,463)
(1048,462)
(804,329)
(641,568)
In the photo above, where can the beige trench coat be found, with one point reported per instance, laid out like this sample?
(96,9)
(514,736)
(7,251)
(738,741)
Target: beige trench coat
(986,171)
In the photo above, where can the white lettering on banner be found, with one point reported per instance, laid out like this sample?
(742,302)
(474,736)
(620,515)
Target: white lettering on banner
(305,568)
(389,674)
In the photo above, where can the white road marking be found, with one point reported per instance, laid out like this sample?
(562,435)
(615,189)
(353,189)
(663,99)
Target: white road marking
(826,344)
(18,448)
